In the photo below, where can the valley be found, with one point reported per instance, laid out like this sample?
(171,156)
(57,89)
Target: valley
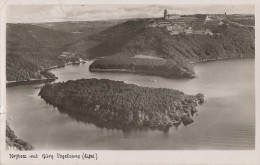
(34,48)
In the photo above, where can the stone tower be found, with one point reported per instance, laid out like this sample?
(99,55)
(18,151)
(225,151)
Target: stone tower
(165,13)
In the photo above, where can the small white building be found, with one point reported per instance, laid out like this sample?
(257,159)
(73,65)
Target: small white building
(208,18)
(178,22)
(188,31)
(208,32)
(174,32)
(175,27)
(164,23)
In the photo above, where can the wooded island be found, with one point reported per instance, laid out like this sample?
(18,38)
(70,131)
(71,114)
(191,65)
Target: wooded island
(126,104)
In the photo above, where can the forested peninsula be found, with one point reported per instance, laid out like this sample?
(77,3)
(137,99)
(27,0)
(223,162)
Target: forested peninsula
(154,66)
(116,102)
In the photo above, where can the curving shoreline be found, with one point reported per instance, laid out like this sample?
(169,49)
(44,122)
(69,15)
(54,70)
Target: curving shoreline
(220,59)
(101,65)
(29,82)
(42,80)
(47,80)
(172,130)
(139,72)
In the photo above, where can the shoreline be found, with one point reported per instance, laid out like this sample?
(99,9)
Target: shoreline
(28,82)
(44,80)
(36,81)
(162,74)
(220,59)
(15,143)
(67,64)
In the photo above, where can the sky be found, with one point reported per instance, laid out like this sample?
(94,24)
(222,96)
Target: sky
(60,13)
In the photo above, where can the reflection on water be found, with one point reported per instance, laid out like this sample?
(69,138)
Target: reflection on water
(225,121)
(110,125)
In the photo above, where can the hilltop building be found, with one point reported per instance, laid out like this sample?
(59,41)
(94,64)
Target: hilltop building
(170,16)
(176,24)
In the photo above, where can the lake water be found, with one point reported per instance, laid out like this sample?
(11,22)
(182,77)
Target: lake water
(226,120)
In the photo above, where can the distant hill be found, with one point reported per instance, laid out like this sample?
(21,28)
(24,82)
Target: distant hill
(134,37)
(30,49)
(82,28)
(34,47)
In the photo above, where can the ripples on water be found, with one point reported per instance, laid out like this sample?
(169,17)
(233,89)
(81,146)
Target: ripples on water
(225,121)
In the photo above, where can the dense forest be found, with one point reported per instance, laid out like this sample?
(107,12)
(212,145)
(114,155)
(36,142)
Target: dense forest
(13,142)
(121,103)
(30,50)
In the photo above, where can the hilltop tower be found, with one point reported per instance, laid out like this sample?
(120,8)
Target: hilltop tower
(165,13)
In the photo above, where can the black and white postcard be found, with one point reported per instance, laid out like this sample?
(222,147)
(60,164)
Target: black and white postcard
(109,82)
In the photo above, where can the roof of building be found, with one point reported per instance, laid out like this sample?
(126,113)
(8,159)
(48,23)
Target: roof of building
(164,22)
(178,22)
(173,15)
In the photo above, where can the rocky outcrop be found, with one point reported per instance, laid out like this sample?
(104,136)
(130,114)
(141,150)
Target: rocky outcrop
(12,142)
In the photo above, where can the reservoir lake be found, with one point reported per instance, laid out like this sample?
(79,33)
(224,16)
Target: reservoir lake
(226,120)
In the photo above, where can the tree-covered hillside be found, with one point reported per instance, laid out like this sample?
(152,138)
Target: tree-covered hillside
(32,48)
(134,37)
(161,67)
